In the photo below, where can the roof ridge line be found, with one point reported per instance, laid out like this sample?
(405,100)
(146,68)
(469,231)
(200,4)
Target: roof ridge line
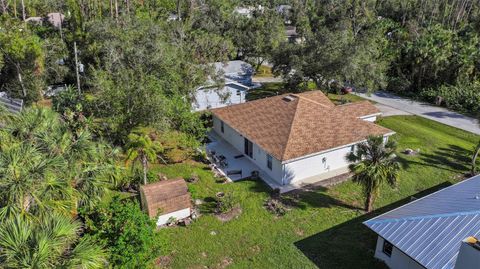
(443,215)
(310,100)
(291,127)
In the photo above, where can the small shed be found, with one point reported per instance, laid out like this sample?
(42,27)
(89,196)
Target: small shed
(166,199)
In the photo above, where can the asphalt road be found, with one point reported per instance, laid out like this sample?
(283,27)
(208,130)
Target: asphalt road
(428,111)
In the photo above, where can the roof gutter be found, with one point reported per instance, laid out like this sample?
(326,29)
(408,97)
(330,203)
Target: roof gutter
(329,150)
(370,115)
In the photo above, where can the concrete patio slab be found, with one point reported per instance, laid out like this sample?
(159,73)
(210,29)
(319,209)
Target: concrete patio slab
(236,161)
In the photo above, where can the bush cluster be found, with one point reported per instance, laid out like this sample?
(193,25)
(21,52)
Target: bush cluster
(462,97)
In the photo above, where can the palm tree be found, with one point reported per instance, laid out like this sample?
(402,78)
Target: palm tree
(32,121)
(476,152)
(52,241)
(373,163)
(43,167)
(142,148)
(30,182)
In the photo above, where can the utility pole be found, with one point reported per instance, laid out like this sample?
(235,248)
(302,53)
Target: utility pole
(60,28)
(76,67)
(23,11)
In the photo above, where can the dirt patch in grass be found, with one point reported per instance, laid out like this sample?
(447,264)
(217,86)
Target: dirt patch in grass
(255,249)
(228,216)
(227,261)
(163,261)
(298,231)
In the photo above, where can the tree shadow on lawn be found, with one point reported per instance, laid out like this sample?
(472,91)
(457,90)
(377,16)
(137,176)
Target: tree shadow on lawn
(451,158)
(455,157)
(314,197)
(351,244)
(301,198)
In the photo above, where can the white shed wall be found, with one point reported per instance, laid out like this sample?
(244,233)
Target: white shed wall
(178,215)
(398,260)
(259,156)
(209,97)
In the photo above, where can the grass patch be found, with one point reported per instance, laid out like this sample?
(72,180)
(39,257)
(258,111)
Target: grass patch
(323,228)
(267,90)
(264,71)
(339,99)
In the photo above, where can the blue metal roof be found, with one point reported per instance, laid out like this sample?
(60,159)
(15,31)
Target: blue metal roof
(431,229)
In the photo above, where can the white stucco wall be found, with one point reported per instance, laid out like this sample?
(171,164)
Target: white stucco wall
(314,165)
(206,98)
(398,259)
(259,156)
(178,215)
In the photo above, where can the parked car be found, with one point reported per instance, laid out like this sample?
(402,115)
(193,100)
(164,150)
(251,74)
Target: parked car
(347,90)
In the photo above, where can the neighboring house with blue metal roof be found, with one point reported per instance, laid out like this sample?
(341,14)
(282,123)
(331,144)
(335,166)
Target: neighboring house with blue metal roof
(237,77)
(429,232)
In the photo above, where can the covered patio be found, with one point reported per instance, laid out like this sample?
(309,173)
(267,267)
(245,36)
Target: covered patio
(232,163)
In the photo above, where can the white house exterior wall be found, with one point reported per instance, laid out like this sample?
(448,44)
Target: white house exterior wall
(315,165)
(398,259)
(259,155)
(209,98)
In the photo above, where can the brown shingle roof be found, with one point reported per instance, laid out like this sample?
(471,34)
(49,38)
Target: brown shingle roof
(358,109)
(308,123)
(165,197)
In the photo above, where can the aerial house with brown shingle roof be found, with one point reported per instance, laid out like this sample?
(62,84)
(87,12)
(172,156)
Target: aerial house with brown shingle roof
(295,138)
(166,199)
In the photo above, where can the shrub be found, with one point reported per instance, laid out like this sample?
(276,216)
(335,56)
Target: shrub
(399,85)
(128,233)
(463,97)
(226,203)
(275,206)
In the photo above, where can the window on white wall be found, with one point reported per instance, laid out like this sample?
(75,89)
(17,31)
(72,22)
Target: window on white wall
(352,149)
(269,161)
(222,128)
(387,248)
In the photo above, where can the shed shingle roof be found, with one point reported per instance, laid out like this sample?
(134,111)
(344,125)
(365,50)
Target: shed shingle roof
(309,123)
(165,197)
(430,230)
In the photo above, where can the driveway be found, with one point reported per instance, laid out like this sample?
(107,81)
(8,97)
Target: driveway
(428,111)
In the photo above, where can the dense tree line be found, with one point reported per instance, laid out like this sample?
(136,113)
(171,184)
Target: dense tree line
(425,49)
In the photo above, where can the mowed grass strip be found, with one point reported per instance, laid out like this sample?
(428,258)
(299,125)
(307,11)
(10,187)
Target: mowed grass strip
(324,227)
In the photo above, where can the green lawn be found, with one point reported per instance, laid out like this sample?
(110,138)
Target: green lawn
(264,71)
(323,229)
(272,89)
